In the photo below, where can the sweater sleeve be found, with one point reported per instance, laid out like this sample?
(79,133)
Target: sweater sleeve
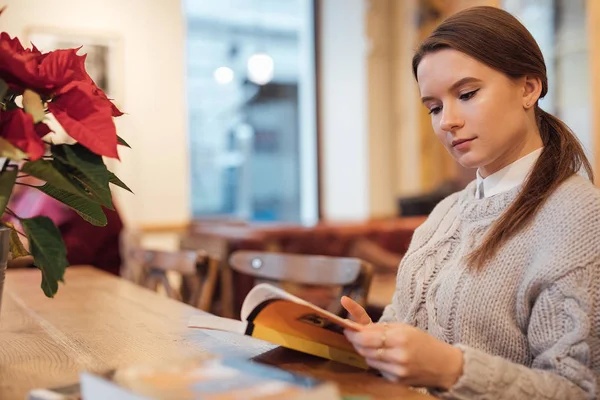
(559,334)
(389,315)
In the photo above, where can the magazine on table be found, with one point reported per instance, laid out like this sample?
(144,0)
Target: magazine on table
(274,315)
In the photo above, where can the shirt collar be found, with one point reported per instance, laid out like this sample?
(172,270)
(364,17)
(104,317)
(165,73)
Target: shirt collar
(508,177)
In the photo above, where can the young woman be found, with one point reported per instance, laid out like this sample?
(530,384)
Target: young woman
(499,293)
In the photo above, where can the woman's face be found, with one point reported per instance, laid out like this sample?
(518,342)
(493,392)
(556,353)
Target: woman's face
(478,113)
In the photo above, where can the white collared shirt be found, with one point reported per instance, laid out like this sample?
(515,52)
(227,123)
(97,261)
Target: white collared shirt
(508,177)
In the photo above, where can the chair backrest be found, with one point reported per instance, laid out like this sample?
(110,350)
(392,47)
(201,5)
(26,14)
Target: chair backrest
(298,268)
(197,271)
(211,245)
(183,262)
(351,274)
(155,264)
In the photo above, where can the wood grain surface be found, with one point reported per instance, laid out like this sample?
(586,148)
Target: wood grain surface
(98,322)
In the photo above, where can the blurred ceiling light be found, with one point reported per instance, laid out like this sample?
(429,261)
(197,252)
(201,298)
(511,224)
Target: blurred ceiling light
(260,68)
(223,75)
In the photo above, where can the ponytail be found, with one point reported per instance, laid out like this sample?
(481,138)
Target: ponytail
(562,157)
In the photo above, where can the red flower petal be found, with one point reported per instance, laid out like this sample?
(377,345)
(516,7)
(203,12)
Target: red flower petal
(34,50)
(42,129)
(28,68)
(82,75)
(14,44)
(16,126)
(58,67)
(86,118)
(18,67)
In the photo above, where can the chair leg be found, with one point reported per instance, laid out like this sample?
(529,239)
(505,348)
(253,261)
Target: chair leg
(194,285)
(226,291)
(150,281)
(168,288)
(208,286)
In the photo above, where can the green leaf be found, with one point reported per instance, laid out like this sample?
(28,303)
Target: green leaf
(7,181)
(87,209)
(87,168)
(16,247)
(77,178)
(48,251)
(54,174)
(116,181)
(3,89)
(122,142)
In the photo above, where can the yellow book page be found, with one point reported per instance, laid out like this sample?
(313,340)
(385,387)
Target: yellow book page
(304,329)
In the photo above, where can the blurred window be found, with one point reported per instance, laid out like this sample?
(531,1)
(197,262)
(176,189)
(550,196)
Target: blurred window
(252,106)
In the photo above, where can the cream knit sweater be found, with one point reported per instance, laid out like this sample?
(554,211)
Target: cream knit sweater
(529,321)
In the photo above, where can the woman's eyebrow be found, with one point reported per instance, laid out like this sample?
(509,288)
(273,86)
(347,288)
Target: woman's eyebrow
(455,85)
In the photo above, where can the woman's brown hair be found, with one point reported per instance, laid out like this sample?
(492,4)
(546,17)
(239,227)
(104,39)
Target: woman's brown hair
(497,39)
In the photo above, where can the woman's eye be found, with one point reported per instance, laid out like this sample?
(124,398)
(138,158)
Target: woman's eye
(434,110)
(469,95)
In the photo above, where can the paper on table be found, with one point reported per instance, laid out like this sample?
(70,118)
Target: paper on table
(218,323)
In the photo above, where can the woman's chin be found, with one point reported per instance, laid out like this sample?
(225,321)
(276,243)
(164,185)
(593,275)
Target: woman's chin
(469,161)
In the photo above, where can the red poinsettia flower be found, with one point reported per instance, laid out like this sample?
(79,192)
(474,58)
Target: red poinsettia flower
(29,69)
(83,109)
(86,117)
(82,75)
(17,127)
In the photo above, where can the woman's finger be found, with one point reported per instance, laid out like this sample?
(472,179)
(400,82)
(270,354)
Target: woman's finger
(356,311)
(384,354)
(373,336)
(391,371)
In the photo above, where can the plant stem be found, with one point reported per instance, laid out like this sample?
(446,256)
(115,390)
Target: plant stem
(26,184)
(19,232)
(11,212)
(22,234)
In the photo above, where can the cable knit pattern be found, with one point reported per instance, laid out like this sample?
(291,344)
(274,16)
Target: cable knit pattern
(528,323)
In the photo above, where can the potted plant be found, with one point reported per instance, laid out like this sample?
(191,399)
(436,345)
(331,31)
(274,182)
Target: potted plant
(33,85)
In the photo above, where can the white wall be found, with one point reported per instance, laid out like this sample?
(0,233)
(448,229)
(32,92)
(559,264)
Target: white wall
(343,110)
(151,91)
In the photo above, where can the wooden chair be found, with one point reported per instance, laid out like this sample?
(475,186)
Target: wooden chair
(198,273)
(217,250)
(130,241)
(352,275)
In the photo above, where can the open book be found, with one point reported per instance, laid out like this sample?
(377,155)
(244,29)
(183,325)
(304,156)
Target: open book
(274,315)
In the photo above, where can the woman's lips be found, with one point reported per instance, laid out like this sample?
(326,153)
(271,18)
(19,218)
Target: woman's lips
(461,144)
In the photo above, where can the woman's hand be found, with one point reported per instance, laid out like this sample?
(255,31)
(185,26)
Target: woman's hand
(356,311)
(408,355)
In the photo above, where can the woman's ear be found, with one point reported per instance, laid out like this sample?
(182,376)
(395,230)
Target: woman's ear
(532,90)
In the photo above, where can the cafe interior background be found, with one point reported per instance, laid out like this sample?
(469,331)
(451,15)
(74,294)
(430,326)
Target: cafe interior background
(298,116)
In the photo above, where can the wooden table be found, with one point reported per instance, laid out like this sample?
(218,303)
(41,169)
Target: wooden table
(97,322)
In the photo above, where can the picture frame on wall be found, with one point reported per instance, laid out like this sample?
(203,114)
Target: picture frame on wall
(104,54)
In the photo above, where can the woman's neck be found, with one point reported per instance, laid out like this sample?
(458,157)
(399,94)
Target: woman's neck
(512,155)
